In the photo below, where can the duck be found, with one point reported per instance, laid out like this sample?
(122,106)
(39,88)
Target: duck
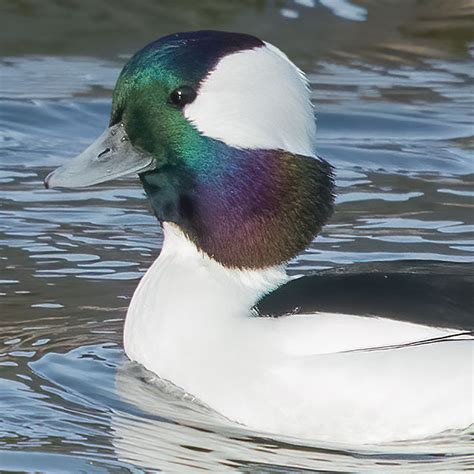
(220,129)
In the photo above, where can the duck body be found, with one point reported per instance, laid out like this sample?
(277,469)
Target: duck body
(220,128)
(327,376)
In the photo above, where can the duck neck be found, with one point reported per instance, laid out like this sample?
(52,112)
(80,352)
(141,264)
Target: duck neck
(195,267)
(186,295)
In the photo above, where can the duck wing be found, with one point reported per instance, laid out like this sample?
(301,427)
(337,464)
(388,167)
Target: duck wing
(429,293)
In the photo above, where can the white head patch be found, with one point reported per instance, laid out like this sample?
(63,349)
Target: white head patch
(256,99)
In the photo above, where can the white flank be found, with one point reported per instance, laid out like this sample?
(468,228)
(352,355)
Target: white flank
(189,322)
(256,99)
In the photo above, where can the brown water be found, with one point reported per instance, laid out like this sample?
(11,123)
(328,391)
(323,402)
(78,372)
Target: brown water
(393,85)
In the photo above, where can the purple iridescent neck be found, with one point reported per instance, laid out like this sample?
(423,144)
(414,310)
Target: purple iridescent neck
(245,208)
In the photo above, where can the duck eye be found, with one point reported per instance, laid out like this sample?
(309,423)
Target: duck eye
(182,96)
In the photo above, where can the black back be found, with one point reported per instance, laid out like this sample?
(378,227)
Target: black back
(437,294)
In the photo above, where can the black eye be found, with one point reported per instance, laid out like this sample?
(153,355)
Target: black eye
(182,95)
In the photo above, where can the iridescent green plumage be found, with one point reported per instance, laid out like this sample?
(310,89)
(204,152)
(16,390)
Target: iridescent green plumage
(245,208)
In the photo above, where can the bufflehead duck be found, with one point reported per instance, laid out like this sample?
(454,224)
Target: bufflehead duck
(220,129)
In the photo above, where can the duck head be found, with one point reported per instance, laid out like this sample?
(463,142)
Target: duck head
(220,129)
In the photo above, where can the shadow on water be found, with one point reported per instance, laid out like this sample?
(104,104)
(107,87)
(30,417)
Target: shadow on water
(393,90)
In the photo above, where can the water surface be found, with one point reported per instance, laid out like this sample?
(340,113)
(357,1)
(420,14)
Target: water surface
(393,88)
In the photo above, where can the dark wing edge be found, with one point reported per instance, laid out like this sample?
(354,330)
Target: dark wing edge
(437,294)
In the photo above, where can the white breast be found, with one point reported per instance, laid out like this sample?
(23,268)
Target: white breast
(308,375)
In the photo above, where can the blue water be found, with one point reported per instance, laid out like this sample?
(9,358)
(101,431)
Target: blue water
(395,117)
